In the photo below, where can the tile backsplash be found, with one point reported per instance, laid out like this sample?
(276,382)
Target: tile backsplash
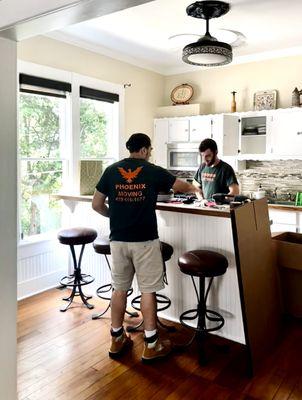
(277,177)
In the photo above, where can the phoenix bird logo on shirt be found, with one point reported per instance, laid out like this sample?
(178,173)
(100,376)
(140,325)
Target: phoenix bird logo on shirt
(129,175)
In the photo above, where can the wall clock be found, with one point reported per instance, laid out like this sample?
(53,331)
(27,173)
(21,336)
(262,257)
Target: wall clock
(182,94)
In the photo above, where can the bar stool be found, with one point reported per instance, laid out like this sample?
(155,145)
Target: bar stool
(73,237)
(202,264)
(102,246)
(162,302)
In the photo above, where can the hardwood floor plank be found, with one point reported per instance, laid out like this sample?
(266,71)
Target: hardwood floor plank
(64,356)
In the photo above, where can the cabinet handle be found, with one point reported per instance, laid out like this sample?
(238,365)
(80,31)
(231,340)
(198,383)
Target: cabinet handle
(239,151)
(299,133)
(186,130)
(193,129)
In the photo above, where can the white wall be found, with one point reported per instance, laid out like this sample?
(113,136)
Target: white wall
(8,218)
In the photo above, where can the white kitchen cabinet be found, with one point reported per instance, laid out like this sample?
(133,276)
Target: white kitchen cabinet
(225,134)
(178,130)
(200,128)
(160,141)
(253,134)
(285,221)
(285,129)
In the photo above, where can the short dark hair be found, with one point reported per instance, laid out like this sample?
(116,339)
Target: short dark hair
(208,144)
(137,141)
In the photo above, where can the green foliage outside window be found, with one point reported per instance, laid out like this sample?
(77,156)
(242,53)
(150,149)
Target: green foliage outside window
(41,162)
(93,123)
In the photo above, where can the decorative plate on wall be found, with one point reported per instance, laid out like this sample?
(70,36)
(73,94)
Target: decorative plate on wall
(266,100)
(182,94)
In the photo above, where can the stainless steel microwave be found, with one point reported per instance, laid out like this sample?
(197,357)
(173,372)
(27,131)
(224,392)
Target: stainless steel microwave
(183,156)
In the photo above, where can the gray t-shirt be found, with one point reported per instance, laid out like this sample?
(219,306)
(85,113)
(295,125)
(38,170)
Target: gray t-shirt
(215,179)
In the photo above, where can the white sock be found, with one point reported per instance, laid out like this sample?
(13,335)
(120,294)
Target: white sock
(150,334)
(116,329)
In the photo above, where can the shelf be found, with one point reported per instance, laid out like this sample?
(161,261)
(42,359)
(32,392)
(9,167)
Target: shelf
(253,136)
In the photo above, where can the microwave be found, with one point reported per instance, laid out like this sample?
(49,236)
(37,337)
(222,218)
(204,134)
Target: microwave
(183,157)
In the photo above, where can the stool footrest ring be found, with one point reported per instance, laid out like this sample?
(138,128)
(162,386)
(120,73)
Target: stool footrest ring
(162,302)
(71,280)
(185,316)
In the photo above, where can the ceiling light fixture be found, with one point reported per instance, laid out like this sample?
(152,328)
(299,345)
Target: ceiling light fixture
(207,51)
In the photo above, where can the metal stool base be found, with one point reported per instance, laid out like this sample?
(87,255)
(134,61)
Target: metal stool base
(76,281)
(162,303)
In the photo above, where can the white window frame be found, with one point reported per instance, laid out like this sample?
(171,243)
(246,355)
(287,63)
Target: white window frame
(72,126)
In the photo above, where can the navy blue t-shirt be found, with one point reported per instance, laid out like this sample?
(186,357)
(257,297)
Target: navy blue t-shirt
(132,186)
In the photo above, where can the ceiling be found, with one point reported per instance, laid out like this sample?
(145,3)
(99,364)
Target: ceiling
(140,35)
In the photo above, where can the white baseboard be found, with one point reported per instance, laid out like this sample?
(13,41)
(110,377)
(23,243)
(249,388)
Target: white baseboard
(40,284)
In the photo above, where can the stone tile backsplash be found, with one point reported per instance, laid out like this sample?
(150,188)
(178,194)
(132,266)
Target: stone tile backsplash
(277,177)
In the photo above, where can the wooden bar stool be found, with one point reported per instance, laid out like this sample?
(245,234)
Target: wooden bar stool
(102,246)
(202,264)
(74,237)
(163,302)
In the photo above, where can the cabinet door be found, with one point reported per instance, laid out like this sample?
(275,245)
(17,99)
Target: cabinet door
(178,130)
(160,140)
(200,128)
(286,133)
(225,132)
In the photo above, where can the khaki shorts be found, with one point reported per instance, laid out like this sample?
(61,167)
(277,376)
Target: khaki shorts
(142,258)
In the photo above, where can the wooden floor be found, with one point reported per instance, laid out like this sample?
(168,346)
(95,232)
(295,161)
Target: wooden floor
(65,356)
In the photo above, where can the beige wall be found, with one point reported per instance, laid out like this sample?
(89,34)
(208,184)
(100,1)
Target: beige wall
(141,99)
(213,87)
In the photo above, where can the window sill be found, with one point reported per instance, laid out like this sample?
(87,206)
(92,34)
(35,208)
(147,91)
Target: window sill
(35,239)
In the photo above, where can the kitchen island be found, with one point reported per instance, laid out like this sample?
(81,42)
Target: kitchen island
(190,227)
(247,295)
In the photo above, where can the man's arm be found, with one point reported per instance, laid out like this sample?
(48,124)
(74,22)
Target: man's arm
(185,187)
(234,189)
(98,204)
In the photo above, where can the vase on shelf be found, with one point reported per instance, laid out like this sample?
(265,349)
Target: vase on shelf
(233,104)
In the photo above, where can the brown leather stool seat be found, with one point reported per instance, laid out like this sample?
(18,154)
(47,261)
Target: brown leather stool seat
(163,302)
(102,246)
(73,237)
(202,264)
(76,236)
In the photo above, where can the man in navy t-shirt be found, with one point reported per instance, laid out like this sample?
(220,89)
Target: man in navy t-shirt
(131,187)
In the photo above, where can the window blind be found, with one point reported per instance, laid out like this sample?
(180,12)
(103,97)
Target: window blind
(94,94)
(43,86)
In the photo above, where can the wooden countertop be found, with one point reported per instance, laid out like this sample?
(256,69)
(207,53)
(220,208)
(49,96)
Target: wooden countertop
(220,211)
(223,212)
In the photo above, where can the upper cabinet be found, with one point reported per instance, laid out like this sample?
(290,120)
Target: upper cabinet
(178,130)
(250,135)
(225,134)
(160,141)
(221,127)
(285,128)
(253,134)
(200,128)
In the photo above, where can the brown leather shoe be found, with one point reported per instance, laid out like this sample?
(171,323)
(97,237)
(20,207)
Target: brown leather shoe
(120,342)
(155,349)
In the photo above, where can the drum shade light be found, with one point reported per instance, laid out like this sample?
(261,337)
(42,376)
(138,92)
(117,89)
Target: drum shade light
(207,51)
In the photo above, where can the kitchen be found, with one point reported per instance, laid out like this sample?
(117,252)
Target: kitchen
(212,87)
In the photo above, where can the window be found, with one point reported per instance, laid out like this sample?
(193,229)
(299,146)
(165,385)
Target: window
(98,120)
(43,169)
(55,134)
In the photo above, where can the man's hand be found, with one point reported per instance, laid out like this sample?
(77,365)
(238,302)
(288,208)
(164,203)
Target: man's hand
(185,187)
